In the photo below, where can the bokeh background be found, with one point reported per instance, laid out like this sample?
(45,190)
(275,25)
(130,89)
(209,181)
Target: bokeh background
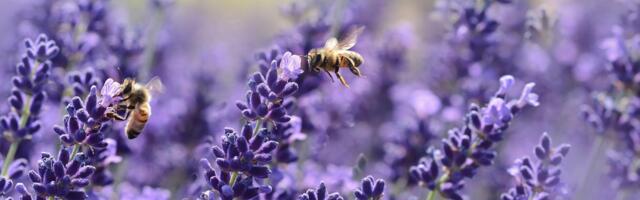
(422,69)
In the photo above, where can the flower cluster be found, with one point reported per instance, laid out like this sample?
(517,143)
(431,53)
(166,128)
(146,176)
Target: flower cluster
(539,180)
(102,159)
(466,149)
(82,81)
(84,122)
(370,189)
(406,121)
(268,100)
(613,112)
(62,177)
(16,169)
(26,101)
(265,100)
(28,95)
(319,193)
(241,158)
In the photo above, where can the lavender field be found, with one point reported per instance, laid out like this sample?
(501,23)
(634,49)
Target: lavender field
(320,100)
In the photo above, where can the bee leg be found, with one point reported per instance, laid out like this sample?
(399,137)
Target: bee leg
(126,115)
(329,73)
(353,68)
(127,107)
(341,78)
(115,116)
(125,98)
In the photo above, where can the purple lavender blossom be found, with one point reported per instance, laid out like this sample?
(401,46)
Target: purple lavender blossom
(370,189)
(465,150)
(61,177)
(319,193)
(539,180)
(241,158)
(27,99)
(81,82)
(265,101)
(27,93)
(84,122)
(16,169)
(297,137)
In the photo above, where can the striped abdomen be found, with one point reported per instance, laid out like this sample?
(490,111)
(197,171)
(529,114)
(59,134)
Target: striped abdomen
(138,119)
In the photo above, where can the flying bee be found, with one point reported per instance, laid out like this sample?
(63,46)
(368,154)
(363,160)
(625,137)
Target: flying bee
(336,54)
(136,98)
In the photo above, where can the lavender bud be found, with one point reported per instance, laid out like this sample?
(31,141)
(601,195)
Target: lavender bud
(85,172)
(58,169)
(263,90)
(260,171)
(290,89)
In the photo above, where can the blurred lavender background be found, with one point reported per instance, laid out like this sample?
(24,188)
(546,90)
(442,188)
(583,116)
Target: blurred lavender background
(459,99)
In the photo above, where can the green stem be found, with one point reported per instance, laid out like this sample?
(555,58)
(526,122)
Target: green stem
(51,198)
(257,128)
(234,176)
(10,156)
(24,117)
(13,149)
(76,147)
(431,195)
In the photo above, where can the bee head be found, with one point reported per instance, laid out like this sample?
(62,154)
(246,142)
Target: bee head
(314,60)
(127,86)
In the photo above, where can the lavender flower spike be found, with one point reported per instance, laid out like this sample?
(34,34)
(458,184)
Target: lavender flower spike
(28,94)
(17,168)
(470,147)
(538,180)
(241,158)
(60,177)
(370,189)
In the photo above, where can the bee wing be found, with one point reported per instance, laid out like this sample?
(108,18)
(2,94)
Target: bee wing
(155,85)
(331,43)
(351,38)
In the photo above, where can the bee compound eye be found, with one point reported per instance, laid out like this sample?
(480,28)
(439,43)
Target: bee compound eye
(316,69)
(317,59)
